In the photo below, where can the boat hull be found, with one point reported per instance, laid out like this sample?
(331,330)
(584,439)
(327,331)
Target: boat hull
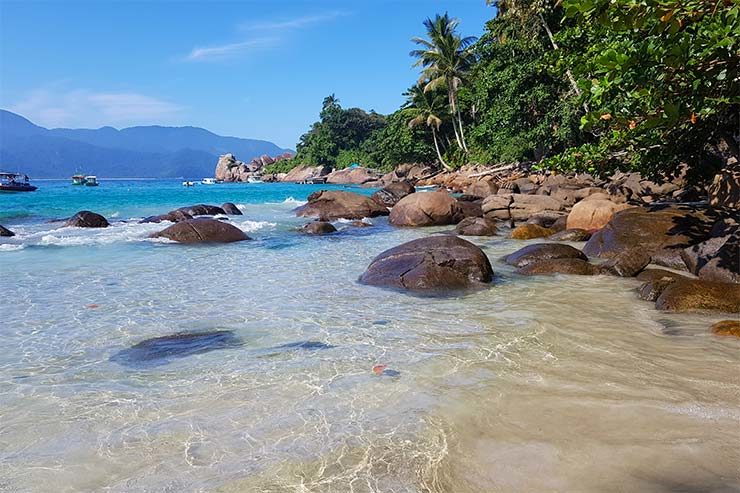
(17,188)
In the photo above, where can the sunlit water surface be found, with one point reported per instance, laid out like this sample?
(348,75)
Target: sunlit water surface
(561,383)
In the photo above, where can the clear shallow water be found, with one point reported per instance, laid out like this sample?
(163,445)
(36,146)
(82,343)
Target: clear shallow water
(536,384)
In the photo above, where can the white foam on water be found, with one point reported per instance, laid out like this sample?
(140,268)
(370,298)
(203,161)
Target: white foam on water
(293,201)
(251,226)
(70,236)
(115,214)
(10,247)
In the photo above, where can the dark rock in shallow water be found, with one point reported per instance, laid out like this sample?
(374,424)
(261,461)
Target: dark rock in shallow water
(5,231)
(627,263)
(574,266)
(435,263)
(202,210)
(309,345)
(231,209)
(202,230)
(543,251)
(175,216)
(695,294)
(160,350)
(87,219)
(390,195)
(318,228)
(575,234)
(476,226)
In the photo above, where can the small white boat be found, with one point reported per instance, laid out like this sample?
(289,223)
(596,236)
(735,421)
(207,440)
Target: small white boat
(188,184)
(78,179)
(208,181)
(91,181)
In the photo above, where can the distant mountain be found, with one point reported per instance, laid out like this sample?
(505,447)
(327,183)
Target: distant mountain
(147,152)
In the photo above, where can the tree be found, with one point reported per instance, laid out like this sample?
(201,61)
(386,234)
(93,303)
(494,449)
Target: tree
(445,59)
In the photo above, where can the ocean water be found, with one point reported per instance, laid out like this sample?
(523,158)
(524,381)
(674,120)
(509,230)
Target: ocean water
(562,383)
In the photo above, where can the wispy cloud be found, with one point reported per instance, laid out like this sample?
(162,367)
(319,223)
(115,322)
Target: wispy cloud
(263,35)
(85,108)
(215,53)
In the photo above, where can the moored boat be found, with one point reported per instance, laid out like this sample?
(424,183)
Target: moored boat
(91,181)
(208,181)
(15,182)
(78,179)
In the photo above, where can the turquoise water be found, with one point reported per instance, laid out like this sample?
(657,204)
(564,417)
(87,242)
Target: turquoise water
(563,383)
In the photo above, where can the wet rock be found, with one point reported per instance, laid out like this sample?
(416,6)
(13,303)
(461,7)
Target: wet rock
(231,209)
(175,216)
(476,226)
(593,213)
(651,290)
(319,228)
(330,205)
(435,263)
(543,251)
(5,231)
(661,232)
(717,258)
(202,230)
(530,231)
(574,266)
(575,234)
(391,194)
(426,209)
(657,274)
(160,350)
(627,263)
(87,219)
(307,345)
(696,294)
(360,224)
(202,210)
(727,328)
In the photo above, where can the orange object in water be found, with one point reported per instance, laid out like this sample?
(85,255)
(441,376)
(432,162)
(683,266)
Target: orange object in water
(92,305)
(378,369)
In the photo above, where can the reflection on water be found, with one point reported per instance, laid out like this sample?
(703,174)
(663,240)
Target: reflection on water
(536,384)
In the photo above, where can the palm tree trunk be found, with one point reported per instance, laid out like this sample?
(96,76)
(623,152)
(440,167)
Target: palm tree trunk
(439,154)
(462,134)
(453,111)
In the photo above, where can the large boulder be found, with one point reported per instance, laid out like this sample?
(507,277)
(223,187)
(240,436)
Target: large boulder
(482,188)
(391,194)
(202,210)
(575,234)
(231,209)
(426,209)
(725,188)
(655,282)
(543,251)
(5,231)
(573,266)
(229,168)
(175,216)
(305,173)
(717,258)
(318,228)
(202,230)
(476,226)
(593,214)
(627,263)
(519,207)
(352,176)
(530,231)
(695,294)
(330,205)
(661,232)
(433,263)
(87,219)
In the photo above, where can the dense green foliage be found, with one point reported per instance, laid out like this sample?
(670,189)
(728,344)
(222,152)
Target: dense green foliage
(570,84)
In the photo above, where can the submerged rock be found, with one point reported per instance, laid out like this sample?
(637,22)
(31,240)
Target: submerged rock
(231,209)
(87,219)
(160,350)
(426,209)
(574,266)
(202,230)
(543,251)
(318,228)
(727,328)
(5,231)
(330,205)
(391,194)
(476,226)
(575,234)
(696,294)
(432,263)
(530,231)
(627,263)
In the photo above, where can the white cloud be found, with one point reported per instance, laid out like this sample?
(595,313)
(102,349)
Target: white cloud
(84,108)
(269,34)
(214,53)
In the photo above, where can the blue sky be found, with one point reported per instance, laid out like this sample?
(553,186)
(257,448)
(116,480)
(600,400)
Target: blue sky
(256,69)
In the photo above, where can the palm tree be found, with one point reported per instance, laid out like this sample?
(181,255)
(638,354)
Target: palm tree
(445,59)
(424,107)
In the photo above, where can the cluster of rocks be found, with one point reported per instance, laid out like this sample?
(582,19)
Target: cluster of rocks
(355,175)
(231,169)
